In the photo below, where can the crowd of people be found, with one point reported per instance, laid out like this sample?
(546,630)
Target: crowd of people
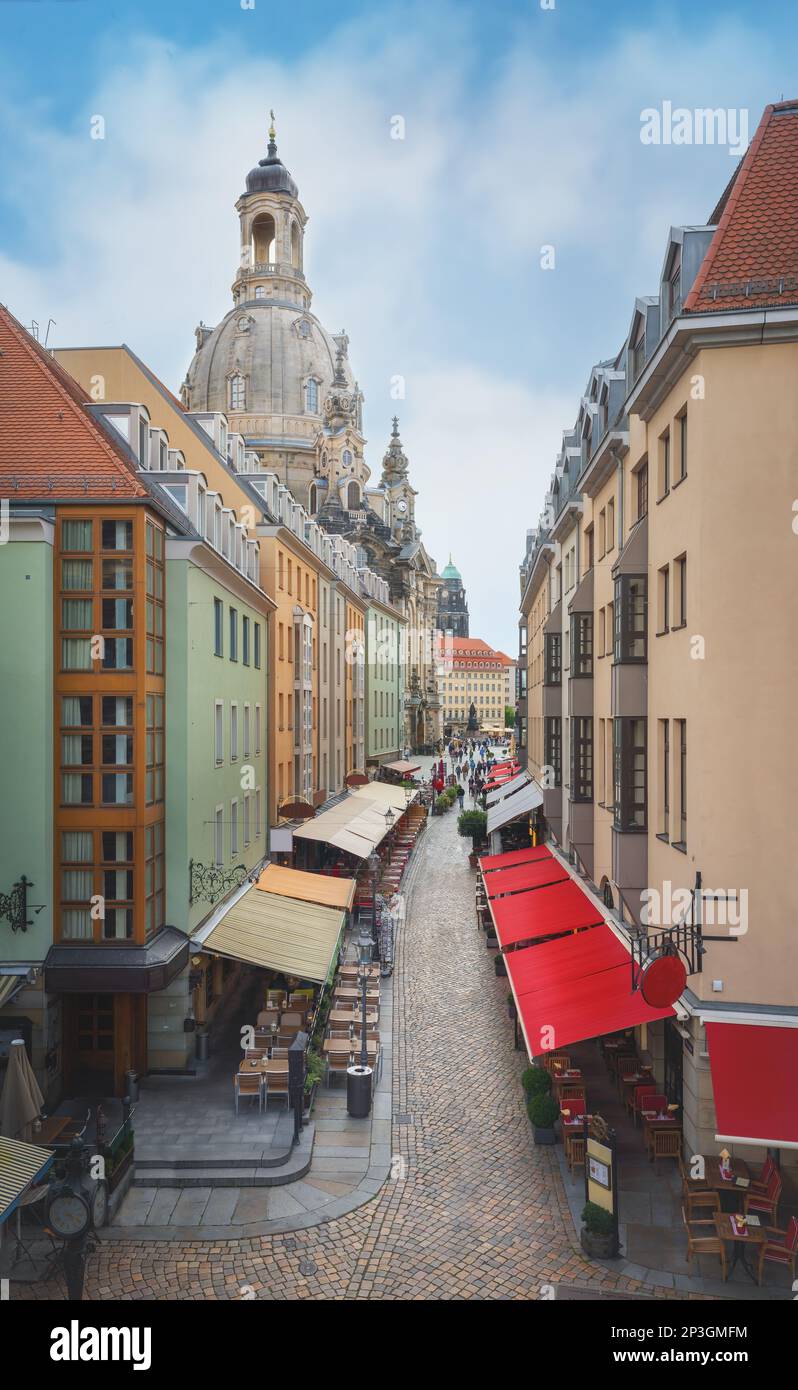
(464,764)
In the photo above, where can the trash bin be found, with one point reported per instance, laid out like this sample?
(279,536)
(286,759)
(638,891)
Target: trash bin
(202,1047)
(358,1091)
(132,1085)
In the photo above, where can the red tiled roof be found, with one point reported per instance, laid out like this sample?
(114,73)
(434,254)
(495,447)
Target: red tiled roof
(50,445)
(752,261)
(466,650)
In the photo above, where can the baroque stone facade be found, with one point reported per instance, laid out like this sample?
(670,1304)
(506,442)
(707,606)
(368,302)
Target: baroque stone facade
(286,385)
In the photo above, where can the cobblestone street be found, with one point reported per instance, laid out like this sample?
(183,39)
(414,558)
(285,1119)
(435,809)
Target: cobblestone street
(474,1211)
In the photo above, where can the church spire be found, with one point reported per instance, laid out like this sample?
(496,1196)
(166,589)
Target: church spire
(394,462)
(272,138)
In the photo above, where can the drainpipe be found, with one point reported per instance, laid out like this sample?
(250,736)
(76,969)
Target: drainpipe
(619,473)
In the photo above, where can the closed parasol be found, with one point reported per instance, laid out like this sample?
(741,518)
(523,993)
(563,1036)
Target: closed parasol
(21,1102)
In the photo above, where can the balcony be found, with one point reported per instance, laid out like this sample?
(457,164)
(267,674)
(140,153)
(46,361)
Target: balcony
(247,272)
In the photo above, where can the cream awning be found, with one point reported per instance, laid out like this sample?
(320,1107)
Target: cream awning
(357,824)
(279,933)
(20,1165)
(402,767)
(510,807)
(514,785)
(323,889)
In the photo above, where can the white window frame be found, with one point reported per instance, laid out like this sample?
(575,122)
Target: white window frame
(218,836)
(246,730)
(234,828)
(257,729)
(234,731)
(218,733)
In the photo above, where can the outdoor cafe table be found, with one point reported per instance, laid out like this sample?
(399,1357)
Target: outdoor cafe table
(652,1122)
(269,1066)
(352,972)
(734,1186)
(348,992)
(754,1236)
(566,1078)
(349,1016)
(344,1047)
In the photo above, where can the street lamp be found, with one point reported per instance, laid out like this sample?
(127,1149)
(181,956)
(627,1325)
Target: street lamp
(373,864)
(364,944)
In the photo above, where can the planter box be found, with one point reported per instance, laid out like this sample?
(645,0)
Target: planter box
(500,968)
(599,1247)
(543,1136)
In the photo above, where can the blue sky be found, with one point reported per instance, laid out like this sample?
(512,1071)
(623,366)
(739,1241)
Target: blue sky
(522,130)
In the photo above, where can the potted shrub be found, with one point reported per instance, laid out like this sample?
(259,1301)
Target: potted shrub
(475,824)
(314,1073)
(598,1237)
(543,1111)
(440,805)
(536,1082)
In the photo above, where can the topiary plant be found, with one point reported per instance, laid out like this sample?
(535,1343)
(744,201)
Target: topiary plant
(597,1221)
(536,1081)
(543,1111)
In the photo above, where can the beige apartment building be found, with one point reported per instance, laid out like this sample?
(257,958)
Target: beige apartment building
(470,672)
(659,615)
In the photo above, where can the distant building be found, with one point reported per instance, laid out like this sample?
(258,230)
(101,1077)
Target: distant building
(452,606)
(469,671)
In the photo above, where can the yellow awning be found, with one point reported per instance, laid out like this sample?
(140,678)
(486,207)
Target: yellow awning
(310,888)
(279,933)
(20,1165)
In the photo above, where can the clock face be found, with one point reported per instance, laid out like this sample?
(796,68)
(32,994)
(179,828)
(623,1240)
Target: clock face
(401,506)
(68,1214)
(99,1205)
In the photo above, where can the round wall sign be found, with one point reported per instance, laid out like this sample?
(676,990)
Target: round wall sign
(663,981)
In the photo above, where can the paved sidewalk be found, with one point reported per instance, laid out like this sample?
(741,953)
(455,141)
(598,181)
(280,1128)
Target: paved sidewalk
(350,1162)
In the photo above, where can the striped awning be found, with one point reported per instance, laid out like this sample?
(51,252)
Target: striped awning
(20,1166)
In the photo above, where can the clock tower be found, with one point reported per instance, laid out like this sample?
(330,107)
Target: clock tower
(399,495)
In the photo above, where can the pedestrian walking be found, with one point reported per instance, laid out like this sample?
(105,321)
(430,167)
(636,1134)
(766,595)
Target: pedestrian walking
(460,795)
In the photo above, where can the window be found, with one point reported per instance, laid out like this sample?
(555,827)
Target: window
(680,596)
(602,633)
(245,640)
(602,532)
(638,349)
(238,393)
(154,769)
(312,397)
(630,618)
(234,634)
(610,647)
(611,524)
(553,659)
(681,781)
(664,759)
(582,759)
(257,729)
(218,837)
(117,535)
(581,644)
(641,478)
(664,470)
(630,774)
(663,599)
(246,730)
(233,732)
(258,812)
(589,548)
(233,829)
(218,724)
(682,423)
(256,631)
(552,748)
(218,627)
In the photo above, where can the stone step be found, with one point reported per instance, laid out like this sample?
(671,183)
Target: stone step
(205,1166)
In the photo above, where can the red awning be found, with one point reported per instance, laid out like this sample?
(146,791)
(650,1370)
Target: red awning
(569,957)
(586,1007)
(755,1081)
(535,875)
(489,862)
(559,907)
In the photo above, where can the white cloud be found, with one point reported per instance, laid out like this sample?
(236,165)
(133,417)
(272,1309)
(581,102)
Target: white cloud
(424,249)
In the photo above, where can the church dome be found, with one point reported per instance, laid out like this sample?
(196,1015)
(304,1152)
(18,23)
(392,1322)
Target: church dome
(286,358)
(271,176)
(450,571)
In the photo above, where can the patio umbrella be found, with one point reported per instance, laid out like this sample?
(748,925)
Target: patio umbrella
(21,1102)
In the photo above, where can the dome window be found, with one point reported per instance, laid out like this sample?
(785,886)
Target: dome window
(312,396)
(346,458)
(260,292)
(238,393)
(352,497)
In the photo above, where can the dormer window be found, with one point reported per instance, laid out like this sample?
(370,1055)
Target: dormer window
(178,493)
(238,394)
(637,348)
(162,454)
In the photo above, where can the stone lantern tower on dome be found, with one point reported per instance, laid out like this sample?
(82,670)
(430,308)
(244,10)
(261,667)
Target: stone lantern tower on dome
(270,366)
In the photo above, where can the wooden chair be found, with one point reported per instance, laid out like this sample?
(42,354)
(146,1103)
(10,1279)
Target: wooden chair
(572,1091)
(665,1143)
(766,1204)
(549,1059)
(250,1086)
(699,1243)
(256,1053)
(781,1248)
(646,1097)
(575,1151)
(627,1066)
(337,1065)
(279,1052)
(275,998)
(697,1202)
(267,1017)
(276,1086)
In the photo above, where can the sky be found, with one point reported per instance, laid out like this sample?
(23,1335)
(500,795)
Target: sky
(487,259)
